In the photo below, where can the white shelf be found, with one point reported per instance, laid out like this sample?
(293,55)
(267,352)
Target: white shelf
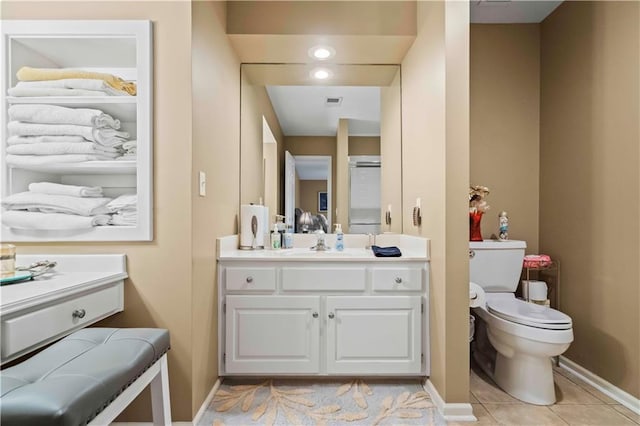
(92,167)
(122,48)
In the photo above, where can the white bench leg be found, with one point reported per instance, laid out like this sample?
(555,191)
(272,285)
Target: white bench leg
(160,403)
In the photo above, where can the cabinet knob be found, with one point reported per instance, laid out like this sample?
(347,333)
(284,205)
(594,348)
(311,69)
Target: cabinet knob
(315,315)
(79,313)
(331,315)
(249,280)
(398,280)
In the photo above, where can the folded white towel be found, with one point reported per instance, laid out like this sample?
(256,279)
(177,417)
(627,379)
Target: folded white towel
(60,189)
(130,144)
(54,148)
(39,160)
(74,84)
(124,202)
(53,114)
(51,221)
(46,91)
(16,140)
(48,203)
(127,157)
(125,219)
(106,136)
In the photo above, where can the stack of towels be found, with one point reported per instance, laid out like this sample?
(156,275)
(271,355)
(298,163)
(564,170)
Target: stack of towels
(45,134)
(125,209)
(69,82)
(54,206)
(130,150)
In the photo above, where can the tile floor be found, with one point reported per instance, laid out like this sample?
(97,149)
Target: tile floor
(578,404)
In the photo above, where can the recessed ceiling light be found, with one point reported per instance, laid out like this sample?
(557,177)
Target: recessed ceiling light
(322,52)
(321,73)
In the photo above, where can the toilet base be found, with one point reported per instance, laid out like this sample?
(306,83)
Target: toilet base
(528,378)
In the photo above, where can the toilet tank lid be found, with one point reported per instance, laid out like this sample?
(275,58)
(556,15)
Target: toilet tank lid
(497,244)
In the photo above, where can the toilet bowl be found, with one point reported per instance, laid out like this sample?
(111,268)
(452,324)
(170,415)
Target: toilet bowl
(524,346)
(524,335)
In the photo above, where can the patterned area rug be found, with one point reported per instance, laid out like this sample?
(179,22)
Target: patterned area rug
(306,402)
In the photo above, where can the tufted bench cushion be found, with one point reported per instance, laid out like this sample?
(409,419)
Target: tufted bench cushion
(70,382)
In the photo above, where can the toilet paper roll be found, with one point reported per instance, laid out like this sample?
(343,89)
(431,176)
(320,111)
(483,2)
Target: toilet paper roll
(476,295)
(537,291)
(252,226)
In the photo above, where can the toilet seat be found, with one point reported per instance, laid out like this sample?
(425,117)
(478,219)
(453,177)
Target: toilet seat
(529,314)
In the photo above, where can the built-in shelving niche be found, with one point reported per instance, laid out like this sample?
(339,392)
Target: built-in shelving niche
(122,48)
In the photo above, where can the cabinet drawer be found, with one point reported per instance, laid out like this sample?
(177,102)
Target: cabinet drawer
(250,279)
(397,279)
(26,330)
(323,279)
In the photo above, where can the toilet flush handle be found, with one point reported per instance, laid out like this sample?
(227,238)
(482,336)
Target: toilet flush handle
(472,254)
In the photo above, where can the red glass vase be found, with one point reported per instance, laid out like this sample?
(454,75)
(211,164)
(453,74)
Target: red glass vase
(475,233)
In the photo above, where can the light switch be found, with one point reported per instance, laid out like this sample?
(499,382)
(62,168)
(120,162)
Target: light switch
(202,181)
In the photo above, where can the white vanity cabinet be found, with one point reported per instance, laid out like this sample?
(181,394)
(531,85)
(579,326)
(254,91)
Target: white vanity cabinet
(288,317)
(120,48)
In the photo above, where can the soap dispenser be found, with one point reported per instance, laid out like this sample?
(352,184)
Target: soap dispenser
(275,238)
(339,237)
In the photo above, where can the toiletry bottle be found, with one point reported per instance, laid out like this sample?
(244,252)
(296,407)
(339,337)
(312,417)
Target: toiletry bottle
(504,226)
(288,238)
(275,238)
(339,238)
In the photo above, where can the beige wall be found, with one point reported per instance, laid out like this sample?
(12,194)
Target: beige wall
(435,154)
(589,179)
(308,200)
(216,127)
(341,207)
(505,123)
(315,145)
(364,145)
(159,290)
(391,156)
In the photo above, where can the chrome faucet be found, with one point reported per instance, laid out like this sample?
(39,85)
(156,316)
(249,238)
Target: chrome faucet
(320,241)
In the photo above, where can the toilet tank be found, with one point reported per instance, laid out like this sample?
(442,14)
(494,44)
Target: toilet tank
(496,265)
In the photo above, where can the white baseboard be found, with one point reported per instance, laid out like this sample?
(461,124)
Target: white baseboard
(206,402)
(196,419)
(452,412)
(612,391)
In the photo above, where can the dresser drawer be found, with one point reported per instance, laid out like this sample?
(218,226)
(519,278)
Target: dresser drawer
(250,279)
(46,324)
(323,279)
(397,279)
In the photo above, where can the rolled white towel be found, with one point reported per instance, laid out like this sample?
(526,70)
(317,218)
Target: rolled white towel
(53,114)
(17,140)
(49,203)
(105,136)
(132,144)
(54,148)
(72,84)
(123,202)
(51,221)
(60,189)
(40,160)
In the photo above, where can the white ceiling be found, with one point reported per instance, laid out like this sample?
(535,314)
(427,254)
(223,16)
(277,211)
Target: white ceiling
(510,11)
(302,110)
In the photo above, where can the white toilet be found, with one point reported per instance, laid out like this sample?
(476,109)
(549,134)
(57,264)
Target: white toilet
(524,335)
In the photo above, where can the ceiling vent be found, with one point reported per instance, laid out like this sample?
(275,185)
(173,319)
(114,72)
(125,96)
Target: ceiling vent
(334,101)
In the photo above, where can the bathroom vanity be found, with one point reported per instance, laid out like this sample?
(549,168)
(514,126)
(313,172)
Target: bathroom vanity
(79,291)
(301,312)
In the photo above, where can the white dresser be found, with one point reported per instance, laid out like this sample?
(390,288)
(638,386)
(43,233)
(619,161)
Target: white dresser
(81,290)
(299,312)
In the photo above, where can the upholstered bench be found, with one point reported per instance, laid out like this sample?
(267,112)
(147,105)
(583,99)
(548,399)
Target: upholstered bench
(88,377)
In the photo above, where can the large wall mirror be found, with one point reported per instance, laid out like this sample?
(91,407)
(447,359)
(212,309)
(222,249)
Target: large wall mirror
(323,151)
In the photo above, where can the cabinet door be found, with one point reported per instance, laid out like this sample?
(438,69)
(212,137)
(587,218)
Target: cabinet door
(272,334)
(374,335)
